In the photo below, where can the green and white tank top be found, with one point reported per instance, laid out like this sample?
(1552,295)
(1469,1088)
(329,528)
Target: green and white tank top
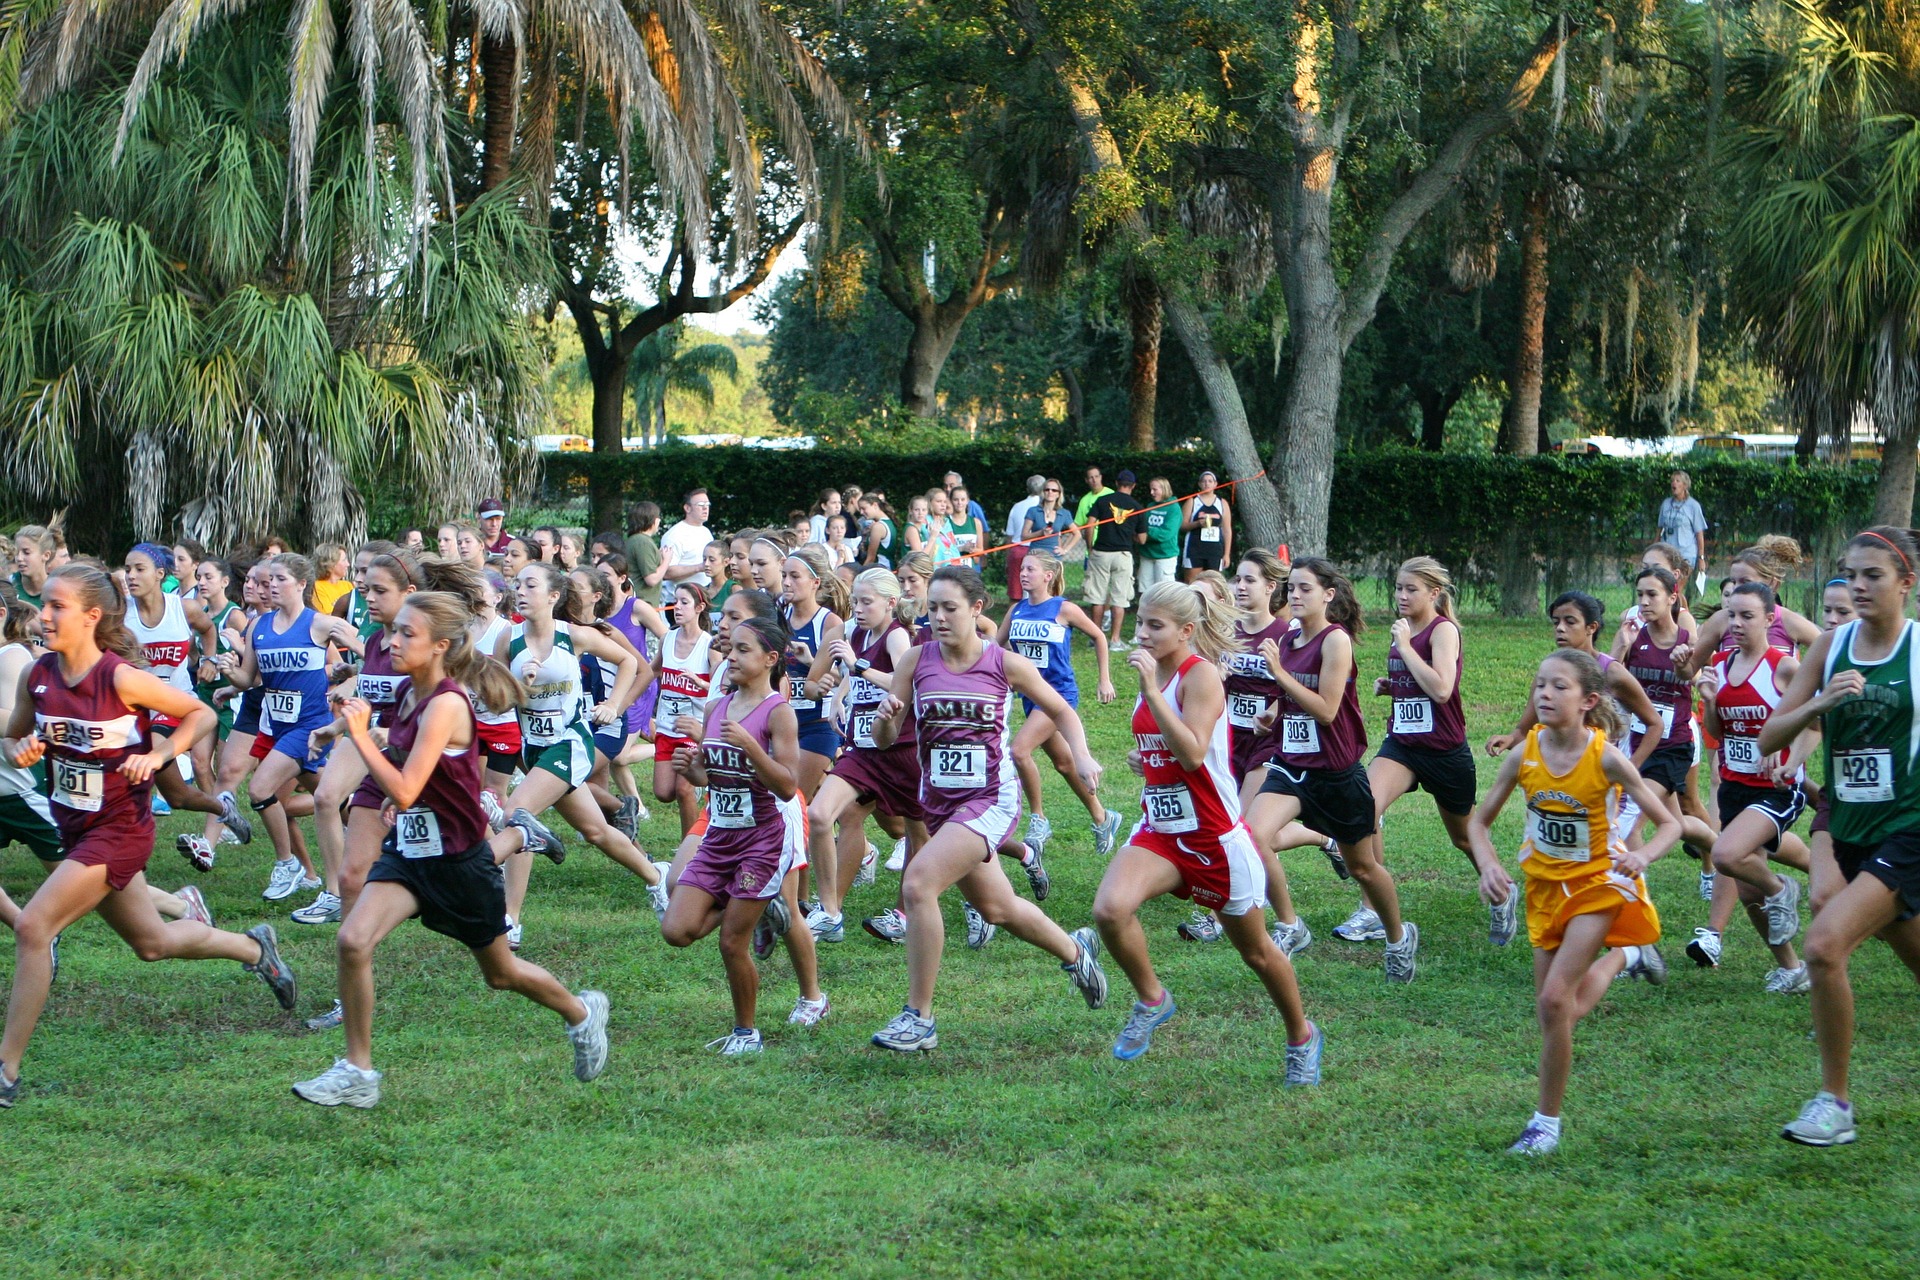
(555,701)
(15,781)
(1873,741)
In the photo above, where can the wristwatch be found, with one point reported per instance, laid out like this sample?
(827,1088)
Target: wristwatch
(861,667)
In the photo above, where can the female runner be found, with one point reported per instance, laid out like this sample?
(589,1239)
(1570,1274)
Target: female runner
(81,706)
(1824,878)
(687,666)
(236,753)
(1858,682)
(638,621)
(813,626)
(1585,889)
(1039,627)
(592,603)
(1190,841)
(1660,656)
(437,863)
(352,608)
(958,689)
(33,548)
(212,579)
(1760,796)
(748,760)
(1316,776)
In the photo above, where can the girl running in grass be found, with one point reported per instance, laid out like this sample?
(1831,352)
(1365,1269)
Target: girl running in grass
(82,708)
(688,662)
(1190,841)
(212,579)
(1585,890)
(958,689)
(1858,683)
(1760,796)
(1823,876)
(1661,658)
(499,727)
(436,862)
(236,753)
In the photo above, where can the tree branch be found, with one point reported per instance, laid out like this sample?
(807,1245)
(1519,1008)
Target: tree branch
(684,302)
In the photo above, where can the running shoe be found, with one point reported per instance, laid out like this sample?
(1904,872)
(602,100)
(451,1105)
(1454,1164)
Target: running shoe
(196,851)
(1303,1060)
(888,926)
(807,1012)
(1706,886)
(657,896)
(1084,971)
(1339,860)
(1106,832)
(1789,982)
(1503,918)
(1117,645)
(324,909)
(286,874)
(1783,912)
(1824,1122)
(864,876)
(738,1043)
(1037,876)
(53,959)
(1649,964)
(306,884)
(1293,938)
(538,839)
(239,827)
(1362,926)
(979,932)
(333,1017)
(197,908)
(1704,950)
(808,906)
(907,1033)
(515,933)
(1535,1140)
(773,926)
(9,1089)
(490,805)
(271,968)
(1137,1036)
(626,817)
(1400,955)
(1039,831)
(897,860)
(161,808)
(826,928)
(1200,927)
(227,836)
(341,1085)
(590,1038)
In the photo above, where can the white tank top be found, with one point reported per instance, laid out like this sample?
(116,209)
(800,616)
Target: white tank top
(684,682)
(486,643)
(15,781)
(167,646)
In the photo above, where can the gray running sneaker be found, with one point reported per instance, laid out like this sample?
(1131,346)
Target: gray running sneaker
(1535,1141)
(1704,950)
(1105,833)
(9,1089)
(1293,938)
(1085,971)
(907,1033)
(285,878)
(1362,926)
(496,816)
(1400,955)
(888,926)
(864,877)
(538,839)
(341,1084)
(327,1021)
(1039,831)
(1706,886)
(234,818)
(1331,848)
(979,932)
(1503,918)
(1136,1037)
(738,1043)
(626,817)
(324,909)
(195,850)
(271,968)
(590,1038)
(1201,926)
(1783,912)
(658,897)
(1651,965)
(197,908)
(826,928)
(1789,982)
(1037,875)
(1303,1060)
(1824,1122)
(773,926)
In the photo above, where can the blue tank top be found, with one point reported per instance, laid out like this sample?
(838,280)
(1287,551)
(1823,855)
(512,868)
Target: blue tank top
(1035,632)
(293,670)
(806,710)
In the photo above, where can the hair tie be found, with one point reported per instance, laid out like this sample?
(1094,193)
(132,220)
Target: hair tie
(1869,533)
(162,558)
(1837,582)
(811,571)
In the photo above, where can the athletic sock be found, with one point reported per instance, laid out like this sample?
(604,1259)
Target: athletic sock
(1295,1044)
(1551,1124)
(1632,954)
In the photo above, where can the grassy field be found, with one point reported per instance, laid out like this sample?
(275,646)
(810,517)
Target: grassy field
(157,1136)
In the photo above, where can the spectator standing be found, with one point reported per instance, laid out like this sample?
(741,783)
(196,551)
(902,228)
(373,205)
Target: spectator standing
(1207,523)
(1158,535)
(683,551)
(1096,489)
(493,525)
(1683,523)
(972,509)
(1115,520)
(642,547)
(1016,523)
(1047,527)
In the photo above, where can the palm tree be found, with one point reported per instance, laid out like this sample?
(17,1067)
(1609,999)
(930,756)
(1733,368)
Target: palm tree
(661,364)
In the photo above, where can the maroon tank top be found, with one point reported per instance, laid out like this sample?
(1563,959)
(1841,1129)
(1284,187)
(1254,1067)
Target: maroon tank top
(1417,720)
(380,685)
(864,696)
(89,732)
(1250,689)
(1305,743)
(447,818)
(1672,696)
(742,815)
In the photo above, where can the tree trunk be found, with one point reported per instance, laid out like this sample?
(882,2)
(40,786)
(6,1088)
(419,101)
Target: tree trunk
(1436,406)
(1143,372)
(1256,504)
(1519,575)
(934,334)
(609,371)
(1303,453)
(1893,496)
(498,64)
(1520,432)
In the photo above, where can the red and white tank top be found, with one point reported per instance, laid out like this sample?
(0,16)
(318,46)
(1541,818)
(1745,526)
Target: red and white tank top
(167,646)
(684,682)
(1203,802)
(1745,708)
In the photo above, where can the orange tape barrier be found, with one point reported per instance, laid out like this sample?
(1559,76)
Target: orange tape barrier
(1171,502)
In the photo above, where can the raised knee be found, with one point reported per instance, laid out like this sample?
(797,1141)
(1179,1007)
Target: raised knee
(500,979)
(353,947)
(1109,914)
(1824,950)
(149,950)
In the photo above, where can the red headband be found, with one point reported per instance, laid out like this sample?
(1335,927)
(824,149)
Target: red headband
(1896,550)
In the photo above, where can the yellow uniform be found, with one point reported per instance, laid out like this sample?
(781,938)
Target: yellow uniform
(1569,850)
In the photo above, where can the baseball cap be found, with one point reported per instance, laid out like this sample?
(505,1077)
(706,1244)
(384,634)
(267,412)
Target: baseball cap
(1125,477)
(491,507)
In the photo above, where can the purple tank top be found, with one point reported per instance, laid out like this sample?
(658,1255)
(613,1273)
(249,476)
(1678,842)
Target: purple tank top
(640,714)
(1419,721)
(1250,690)
(1777,638)
(963,728)
(742,815)
(1305,743)
(380,684)
(1672,697)
(864,696)
(447,818)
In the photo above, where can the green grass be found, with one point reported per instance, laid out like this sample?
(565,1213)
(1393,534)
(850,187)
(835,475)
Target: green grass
(157,1136)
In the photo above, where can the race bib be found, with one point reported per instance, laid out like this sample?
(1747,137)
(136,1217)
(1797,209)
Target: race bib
(1412,715)
(1209,533)
(1562,836)
(672,707)
(1170,810)
(1639,726)
(541,726)
(1863,777)
(958,768)
(78,784)
(282,705)
(862,726)
(1299,735)
(381,689)
(1037,654)
(1243,710)
(797,694)
(730,808)
(417,833)
(1742,755)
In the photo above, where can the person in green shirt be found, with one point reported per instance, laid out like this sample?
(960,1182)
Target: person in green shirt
(643,547)
(1096,489)
(1159,534)
(32,561)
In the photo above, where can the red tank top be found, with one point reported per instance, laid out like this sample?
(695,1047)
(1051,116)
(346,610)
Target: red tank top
(447,818)
(1202,803)
(380,685)
(89,731)
(1305,743)
(1744,710)
(1419,721)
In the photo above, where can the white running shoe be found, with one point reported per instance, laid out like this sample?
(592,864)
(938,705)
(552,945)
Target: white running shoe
(897,860)
(1704,950)
(1362,926)
(197,908)
(807,1013)
(238,825)
(1105,833)
(1503,918)
(590,1037)
(979,932)
(864,877)
(1706,886)
(888,926)
(196,851)
(227,836)
(657,896)
(324,909)
(1535,1140)
(280,885)
(1201,926)
(1039,831)
(307,884)
(1824,1122)
(1293,938)
(515,932)
(1789,982)
(907,1033)
(1649,964)
(1303,1060)
(496,816)
(1400,955)
(341,1085)
(738,1042)
(327,1021)
(1783,912)
(826,928)
(1085,972)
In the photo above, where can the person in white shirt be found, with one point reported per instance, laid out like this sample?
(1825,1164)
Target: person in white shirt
(1017,523)
(683,550)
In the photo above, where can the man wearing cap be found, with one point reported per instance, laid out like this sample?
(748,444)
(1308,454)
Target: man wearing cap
(1110,557)
(493,519)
